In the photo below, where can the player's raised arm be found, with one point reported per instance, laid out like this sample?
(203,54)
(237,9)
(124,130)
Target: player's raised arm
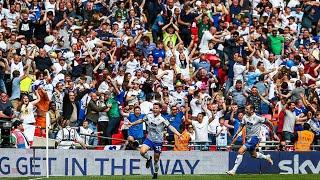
(134,123)
(175,131)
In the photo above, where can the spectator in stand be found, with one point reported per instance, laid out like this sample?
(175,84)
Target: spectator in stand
(135,132)
(179,143)
(303,139)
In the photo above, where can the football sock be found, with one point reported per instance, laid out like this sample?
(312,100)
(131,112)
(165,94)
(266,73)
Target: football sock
(237,162)
(261,156)
(156,166)
(146,156)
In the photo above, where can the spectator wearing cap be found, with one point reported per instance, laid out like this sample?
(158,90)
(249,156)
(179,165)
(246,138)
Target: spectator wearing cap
(179,95)
(60,65)
(5,105)
(18,138)
(298,14)
(175,118)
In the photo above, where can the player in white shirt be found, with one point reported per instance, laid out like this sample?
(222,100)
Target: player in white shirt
(253,123)
(156,126)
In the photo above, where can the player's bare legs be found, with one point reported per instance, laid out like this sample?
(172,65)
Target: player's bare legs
(253,154)
(259,155)
(156,165)
(238,161)
(144,153)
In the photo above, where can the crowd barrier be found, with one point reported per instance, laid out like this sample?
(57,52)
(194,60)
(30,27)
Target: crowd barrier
(17,163)
(21,162)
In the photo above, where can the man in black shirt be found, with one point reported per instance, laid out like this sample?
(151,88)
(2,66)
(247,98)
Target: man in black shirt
(43,62)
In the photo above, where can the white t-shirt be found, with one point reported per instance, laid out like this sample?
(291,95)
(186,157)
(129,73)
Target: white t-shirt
(222,138)
(201,129)
(87,131)
(179,97)
(195,107)
(58,67)
(134,94)
(131,66)
(238,69)
(18,67)
(168,79)
(50,7)
(207,36)
(146,107)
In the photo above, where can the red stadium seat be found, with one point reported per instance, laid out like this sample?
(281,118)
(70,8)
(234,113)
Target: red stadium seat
(118,136)
(37,132)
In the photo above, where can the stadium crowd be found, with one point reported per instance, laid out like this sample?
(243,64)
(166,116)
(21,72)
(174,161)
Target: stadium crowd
(94,65)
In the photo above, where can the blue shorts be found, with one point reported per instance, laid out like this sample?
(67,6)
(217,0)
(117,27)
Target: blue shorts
(157,147)
(252,143)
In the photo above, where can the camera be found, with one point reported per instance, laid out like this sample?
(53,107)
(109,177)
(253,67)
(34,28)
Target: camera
(134,144)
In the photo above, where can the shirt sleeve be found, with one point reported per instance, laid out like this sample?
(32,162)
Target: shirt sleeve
(166,122)
(145,119)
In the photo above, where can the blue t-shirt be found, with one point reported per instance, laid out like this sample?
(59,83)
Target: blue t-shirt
(136,131)
(236,125)
(175,121)
(158,53)
(252,77)
(156,26)
(298,112)
(227,117)
(204,64)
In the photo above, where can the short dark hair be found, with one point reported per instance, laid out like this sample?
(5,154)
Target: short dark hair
(158,104)
(251,106)
(136,107)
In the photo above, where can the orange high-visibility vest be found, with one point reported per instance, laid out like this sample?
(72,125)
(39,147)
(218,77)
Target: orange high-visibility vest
(305,139)
(181,145)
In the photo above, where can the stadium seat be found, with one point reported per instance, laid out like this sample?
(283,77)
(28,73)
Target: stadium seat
(269,117)
(118,136)
(37,132)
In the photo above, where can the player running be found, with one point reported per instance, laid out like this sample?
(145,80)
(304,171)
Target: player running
(253,125)
(156,125)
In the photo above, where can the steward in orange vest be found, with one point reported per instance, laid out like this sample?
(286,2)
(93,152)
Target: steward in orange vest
(303,139)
